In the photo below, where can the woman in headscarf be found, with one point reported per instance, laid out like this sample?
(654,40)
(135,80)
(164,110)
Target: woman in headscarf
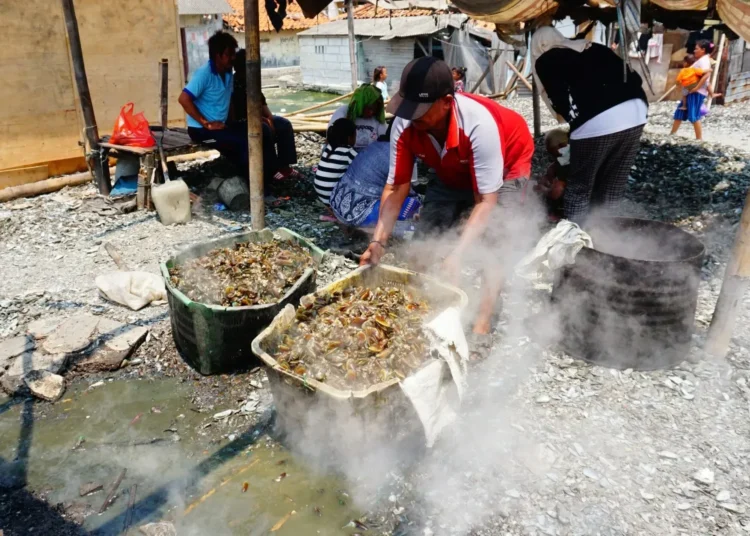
(367,110)
(583,84)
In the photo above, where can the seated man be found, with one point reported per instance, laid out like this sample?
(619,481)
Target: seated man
(207,100)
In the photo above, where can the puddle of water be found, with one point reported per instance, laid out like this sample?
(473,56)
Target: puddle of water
(195,482)
(290,101)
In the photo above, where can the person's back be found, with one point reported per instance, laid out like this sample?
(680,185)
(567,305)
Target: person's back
(584,84)
(337,155)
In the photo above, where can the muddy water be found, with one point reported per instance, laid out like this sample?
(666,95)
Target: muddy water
(181,473)
(285,101)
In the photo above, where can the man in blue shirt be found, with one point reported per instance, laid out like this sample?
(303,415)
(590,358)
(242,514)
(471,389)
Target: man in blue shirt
(207,100)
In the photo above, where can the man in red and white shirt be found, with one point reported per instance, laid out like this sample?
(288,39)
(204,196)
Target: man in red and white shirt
(481,153)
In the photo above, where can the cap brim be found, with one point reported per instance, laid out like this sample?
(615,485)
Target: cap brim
(400,107)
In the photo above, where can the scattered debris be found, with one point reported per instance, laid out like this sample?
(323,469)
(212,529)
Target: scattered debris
(281,477)
(704,476)
(45,385)
(280,522)
(89,488)
(158,529)
(111,495)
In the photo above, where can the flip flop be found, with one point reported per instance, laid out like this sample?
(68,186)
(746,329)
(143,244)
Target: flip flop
(289,174)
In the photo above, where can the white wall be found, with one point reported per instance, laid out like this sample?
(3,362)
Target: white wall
(328,68)
(276,49)
(395,54)
(325,62)
(197,33)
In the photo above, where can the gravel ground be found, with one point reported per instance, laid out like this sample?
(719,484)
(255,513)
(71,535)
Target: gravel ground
(547,444)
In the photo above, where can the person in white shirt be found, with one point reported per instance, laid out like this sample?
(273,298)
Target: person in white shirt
(696,95)
(367,110)
(379,78)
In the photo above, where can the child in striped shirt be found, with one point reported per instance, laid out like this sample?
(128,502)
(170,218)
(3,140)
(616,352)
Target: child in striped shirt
(336,157)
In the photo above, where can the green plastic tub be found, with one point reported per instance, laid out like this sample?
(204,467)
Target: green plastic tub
(215,339)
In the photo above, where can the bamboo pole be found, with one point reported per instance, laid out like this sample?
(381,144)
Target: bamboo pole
(733,289)
(512,83)
(254,126)
(670,90)
(164,94)
(45,186)
(320,105)
(536,109)
(95,157)
(520,76)
(352,42)
(486,71)
(715,70)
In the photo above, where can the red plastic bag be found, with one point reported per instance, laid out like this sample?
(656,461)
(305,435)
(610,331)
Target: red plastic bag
(132,129)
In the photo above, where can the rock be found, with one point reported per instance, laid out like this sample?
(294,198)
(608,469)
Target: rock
(39,329)
(647,496)
(723,496)
(704,476)
(223,414)
(158,529)
(45,385)
(513,493)
(543,399)
(14,347)
(563,515)
(590,473)
(730,507)
(683,506)
(668,455)
(72,336)
(110,355)
(12,382)
(88,488)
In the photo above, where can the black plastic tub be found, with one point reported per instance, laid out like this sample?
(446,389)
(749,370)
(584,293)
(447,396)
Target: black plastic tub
(214,339)
(630,302)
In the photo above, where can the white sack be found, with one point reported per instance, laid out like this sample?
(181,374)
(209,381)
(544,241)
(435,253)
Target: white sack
(132,289)
(555,249)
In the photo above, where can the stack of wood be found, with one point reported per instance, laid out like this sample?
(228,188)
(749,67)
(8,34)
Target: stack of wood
(304,121)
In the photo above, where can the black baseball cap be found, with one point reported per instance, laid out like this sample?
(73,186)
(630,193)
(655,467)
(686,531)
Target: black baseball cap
(424,81)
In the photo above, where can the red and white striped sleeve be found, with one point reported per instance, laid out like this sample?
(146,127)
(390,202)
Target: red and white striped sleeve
(402,157)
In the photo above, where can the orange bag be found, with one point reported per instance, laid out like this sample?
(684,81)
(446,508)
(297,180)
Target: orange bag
(132,129)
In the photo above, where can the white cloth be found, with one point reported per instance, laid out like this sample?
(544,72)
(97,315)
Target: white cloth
(704,64)
(368,130)
(629,114)
(132,289)
(383,87)
(436,389)
(655,47)
(545,39)
(555,249)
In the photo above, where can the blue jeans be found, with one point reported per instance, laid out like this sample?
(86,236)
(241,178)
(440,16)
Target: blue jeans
(279,150)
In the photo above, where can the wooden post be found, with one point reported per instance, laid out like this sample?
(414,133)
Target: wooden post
(254,125)
(733,289)
(521,77)
(715,70)
(537,112)
(352,42)
(96,159)
(164,94)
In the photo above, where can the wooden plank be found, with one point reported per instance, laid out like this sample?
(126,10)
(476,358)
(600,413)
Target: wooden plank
(19,176)
(45,125)
(128,149)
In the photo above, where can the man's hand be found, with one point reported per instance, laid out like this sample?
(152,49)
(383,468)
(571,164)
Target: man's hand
(451,269)
(372,254)
(215,125)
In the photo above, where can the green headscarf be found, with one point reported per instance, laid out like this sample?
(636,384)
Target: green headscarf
(366,95)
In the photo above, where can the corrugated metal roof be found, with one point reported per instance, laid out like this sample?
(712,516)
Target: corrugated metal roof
(367,11)
(203,7)
(295,19)
(392,28)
